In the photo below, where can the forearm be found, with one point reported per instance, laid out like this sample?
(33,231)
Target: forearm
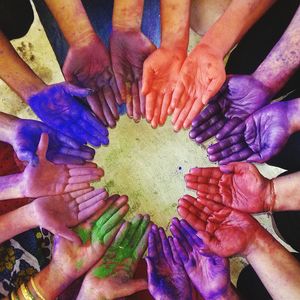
(234,23)
(175,24)
(72,19)
(12,186)
(287,192)
(283,60)
(127,15)
(278,270)
(7,125)
(16,222)
(16,73)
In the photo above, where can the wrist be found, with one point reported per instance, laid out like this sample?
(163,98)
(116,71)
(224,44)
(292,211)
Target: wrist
(89,292)
(34,88)
(207,48)
(8,124)
(269,196)
(293,114)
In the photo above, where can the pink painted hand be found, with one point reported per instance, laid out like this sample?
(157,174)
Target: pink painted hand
(47,179)
(237,185)
(209,273)
(57,213)
(88,65)
(160,74)
(112,277)
(201,77)
(225,231)
(129,49)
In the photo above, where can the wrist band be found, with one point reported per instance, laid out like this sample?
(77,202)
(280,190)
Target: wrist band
(273,197)
(36,289)
(25,292)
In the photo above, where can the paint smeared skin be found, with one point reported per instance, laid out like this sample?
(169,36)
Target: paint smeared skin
(112,277)
(236,185)
(209,273)
(240,96)
(162,67)
(167,278)
(58,107)
(225,231)
(261,137)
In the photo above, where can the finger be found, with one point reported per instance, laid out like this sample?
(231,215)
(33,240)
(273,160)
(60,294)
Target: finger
(179,235)
(212,88)
(209,112)
(228,128)
(150,105)
(110,120)
(115,89)
(207,240)
(65,152)
(142,100)
(210,132)
(111,101)
(183,254)
(191,233)
(175,253)
(150,268)
(160,254)
(157,110)
(136,102)
(86,171)
(165,106)
(86,165)
(189,178)
(195,110)
(238,156)
(207,172)
(81,197)
(95,105)
(62,159)
(86,212)
(177,94)
(192,219)
(213,206)
(76,186)
(95,125)
(227,152)
(92,200)
(121,85)
(121,235)
(77,91)
(165,245)
(67,141)
(140,231)
(43,146)
(142,245)
(80,193)
(148,76)
(152,251)
(182,116)
(83,178)
(226,143)
(134,225)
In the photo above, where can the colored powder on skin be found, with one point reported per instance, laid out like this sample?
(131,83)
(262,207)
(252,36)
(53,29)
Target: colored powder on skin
(79,264)
(84,234)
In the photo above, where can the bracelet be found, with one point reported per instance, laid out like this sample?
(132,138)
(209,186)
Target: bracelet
(273,197)
(36,289)
(25,292)
(14,296)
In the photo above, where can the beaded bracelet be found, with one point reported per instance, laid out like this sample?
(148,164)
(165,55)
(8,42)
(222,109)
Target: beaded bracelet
(25,292)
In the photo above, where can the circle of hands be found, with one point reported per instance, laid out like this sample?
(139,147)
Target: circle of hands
(91,235)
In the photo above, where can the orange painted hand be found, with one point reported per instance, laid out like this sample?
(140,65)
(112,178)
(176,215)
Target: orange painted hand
(201,77)
(237,185)
(48,179)
(160,74)
(224,230)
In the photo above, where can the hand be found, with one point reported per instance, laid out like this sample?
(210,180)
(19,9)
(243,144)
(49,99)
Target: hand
(112,277)
(261,137)
(48,179)
(167,278)
(57,213)
(61,149)
(96,234)
(225,231)
(239,97)
(57,106)
(201,76)
(129,49)
(209,273)
(88,65)
(160,74)
(237,185)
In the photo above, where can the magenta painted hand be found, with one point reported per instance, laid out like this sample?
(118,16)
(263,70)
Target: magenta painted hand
(160,74)
(88,65)
(240,96)
(47,179)
(129,49)
(258,139)
(58,107)
(167,278)
(57,213)
(61,149)
(225,231)
(237,185)
(209,273)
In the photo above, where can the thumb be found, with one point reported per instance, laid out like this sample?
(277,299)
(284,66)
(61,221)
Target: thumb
(147,79)
(68,234)
(234,167)
(28,156)
(77,91)
(43,146)
(149,266)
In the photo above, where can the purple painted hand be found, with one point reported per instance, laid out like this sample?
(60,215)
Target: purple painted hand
(240,96)
(58,107)
(88,65)
(167,278)
(61,149)
(129,49)
(258,139)
(208,272)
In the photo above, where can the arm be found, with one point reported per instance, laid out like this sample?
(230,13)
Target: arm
(12,186)
(237,19)
(283,61)
(16,73)
(279,271)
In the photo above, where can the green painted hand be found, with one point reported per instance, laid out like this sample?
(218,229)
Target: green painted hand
(112,277)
